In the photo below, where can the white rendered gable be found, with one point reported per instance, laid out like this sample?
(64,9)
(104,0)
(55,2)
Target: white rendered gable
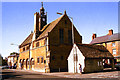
(73,66)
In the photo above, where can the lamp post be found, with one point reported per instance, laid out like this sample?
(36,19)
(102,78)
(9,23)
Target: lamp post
(18,51)
(29,51)
(16,45)
(74,56)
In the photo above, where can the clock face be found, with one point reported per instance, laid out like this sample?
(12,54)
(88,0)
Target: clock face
(43,19)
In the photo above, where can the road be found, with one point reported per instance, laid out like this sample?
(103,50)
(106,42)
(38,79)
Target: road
(26,75)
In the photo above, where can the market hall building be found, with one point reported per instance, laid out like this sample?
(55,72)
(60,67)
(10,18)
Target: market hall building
(49,45)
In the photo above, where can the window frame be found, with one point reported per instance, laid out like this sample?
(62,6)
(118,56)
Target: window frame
(113,44)
(61,36)
(53,57)
(70,36)
(42,60)
(38,60)
(23,48)
(62,57)
(114,52)
(37,44)
(28,47)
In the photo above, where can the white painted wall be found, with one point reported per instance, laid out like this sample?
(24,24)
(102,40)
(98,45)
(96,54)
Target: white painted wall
(71,62)
(11,59)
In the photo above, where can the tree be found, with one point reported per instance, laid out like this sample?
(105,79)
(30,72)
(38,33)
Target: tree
(14,53)
(1,58)
(2,61)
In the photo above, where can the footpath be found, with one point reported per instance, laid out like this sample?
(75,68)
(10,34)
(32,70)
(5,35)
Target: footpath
(108,74)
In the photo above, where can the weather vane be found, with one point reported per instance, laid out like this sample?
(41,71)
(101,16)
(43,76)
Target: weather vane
(42,4)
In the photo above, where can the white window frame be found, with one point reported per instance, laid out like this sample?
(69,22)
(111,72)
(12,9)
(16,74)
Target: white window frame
(114,51)
(98,63)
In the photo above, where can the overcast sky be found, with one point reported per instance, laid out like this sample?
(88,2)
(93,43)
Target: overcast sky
(88,17)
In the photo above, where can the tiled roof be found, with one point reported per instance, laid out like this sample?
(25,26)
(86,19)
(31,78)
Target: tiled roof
(94,51)
(27,40)
(14,55)
(106,38)
(47,28)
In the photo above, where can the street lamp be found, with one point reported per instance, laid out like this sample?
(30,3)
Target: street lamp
(75,56)
(18,50)
(16,45)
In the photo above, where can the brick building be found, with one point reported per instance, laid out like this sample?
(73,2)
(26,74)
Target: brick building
(49,45)
(110,41)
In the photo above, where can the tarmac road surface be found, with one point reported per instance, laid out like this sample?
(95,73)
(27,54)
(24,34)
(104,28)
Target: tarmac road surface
(8,74)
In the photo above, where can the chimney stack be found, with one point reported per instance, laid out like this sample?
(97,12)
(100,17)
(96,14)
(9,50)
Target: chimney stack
(94,36)
(36,24)
(110,32)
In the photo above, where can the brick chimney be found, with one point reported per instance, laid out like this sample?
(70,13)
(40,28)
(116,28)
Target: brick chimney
(110,32)
(94,36)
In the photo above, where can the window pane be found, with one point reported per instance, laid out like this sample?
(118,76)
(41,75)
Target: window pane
(61,57)
(37,60)
(24,49)
(41,59)
(27,47)
(37,44)
(70,36)
(53,57)
(114,51)
(61,36)
(113,44)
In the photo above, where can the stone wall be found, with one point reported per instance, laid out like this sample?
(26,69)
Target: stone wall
(92,65)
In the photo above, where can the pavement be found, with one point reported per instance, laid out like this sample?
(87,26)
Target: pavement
(106,74)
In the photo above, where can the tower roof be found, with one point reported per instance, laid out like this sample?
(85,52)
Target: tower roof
(42,8)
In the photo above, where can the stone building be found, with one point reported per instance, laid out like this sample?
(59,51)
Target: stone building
(110,41)
(12,60)
(90,57)
(47,48)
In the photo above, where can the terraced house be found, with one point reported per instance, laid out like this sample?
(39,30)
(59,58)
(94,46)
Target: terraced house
(47,48)
(111,41)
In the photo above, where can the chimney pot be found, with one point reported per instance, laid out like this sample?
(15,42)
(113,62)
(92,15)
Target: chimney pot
(94,36)
(110,32)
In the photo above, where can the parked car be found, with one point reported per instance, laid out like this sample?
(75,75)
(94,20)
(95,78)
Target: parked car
(117,65)
(15,66)
(5,67)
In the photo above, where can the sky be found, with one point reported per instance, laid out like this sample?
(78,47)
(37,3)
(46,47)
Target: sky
(88,18)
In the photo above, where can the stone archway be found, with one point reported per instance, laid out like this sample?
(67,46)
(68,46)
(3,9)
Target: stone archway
(32,63)
(23,64)
(27,63)
(20,62)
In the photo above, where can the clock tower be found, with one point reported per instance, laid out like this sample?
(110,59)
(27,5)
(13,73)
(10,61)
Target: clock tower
(40,20)
(43,18)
